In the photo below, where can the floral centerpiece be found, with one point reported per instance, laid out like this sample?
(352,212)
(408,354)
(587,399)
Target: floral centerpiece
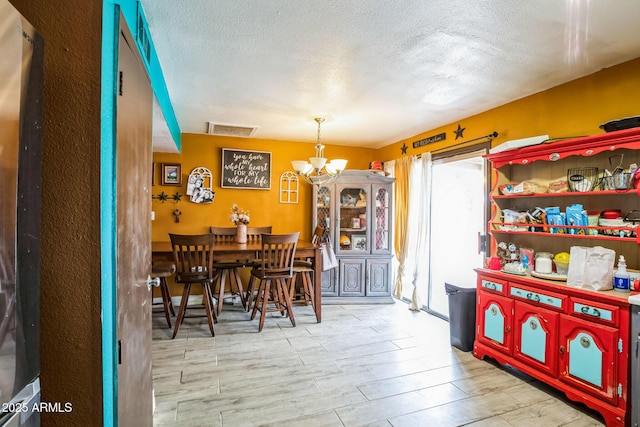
(239,216)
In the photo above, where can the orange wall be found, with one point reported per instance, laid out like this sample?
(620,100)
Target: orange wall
(264,205)
(573,109)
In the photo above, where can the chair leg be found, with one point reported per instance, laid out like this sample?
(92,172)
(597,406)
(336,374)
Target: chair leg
(291,284)
(166,300)
(287,301)
(250,290)
(222,281)
(307,283)
(258,300)
(211,287)
(182,309)
(262,300)
(278,297)
(208,306)
(239,289)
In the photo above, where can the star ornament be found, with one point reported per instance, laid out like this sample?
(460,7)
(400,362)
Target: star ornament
(459,131)
(404,148)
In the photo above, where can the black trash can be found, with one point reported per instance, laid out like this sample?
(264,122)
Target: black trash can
(462,316)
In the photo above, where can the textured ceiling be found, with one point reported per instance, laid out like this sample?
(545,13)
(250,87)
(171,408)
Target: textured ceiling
(378,70)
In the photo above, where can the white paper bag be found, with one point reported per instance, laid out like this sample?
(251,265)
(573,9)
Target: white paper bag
(329,259)
(591,268)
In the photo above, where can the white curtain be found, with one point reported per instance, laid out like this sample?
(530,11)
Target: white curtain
(416,271)
(419,202)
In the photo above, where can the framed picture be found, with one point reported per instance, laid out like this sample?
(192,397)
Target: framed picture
(359,242)
(171,174)
(245,169)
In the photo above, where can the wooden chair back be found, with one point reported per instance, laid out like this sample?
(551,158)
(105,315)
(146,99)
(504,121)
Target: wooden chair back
(223,234)
(228,234)
(277,255)
(254,234)
(193,257)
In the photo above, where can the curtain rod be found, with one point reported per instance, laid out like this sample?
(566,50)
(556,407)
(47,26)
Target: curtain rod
(489,137)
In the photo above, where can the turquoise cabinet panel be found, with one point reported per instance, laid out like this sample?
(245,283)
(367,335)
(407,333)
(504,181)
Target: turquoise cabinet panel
(588,357)
(494,322)
(536,337)
(495,313)
(585,359)
(534,342)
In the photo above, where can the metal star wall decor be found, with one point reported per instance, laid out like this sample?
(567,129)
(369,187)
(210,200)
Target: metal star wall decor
(163,197)
(404,148)
(459,131)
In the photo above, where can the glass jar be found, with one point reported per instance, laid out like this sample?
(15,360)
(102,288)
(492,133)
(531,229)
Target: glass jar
(544,263)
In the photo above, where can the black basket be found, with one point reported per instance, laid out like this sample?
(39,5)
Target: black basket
(583,179)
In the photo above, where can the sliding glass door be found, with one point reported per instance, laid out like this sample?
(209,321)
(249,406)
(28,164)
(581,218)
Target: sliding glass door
(458,217)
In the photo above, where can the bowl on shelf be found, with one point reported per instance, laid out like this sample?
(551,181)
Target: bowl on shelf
(562,268)
(611,213)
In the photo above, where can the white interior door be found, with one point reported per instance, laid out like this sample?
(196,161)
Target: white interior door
(457,217)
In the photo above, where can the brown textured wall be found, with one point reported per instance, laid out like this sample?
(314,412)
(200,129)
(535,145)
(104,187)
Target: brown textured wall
(71,363)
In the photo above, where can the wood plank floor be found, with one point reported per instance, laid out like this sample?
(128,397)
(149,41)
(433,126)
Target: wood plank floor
(364,365)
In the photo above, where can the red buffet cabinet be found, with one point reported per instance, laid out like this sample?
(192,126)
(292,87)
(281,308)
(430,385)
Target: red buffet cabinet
(576,340)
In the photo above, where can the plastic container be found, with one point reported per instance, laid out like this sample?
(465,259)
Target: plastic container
(621,277)
(562,268)
(462,316)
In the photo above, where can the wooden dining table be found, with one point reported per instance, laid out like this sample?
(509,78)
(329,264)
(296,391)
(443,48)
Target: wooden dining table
(245,252)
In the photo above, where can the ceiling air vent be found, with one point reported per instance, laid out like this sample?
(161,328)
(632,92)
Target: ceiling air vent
(231,130)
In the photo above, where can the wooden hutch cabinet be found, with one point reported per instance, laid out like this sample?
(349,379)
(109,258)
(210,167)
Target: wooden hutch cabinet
(356,211)
(574,339)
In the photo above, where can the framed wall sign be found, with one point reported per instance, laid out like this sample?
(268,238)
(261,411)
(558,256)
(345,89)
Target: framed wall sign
(171,174)
(246,169)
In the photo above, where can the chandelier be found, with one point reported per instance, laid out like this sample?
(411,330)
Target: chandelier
(317,171)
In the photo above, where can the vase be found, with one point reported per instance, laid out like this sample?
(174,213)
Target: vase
(241,233)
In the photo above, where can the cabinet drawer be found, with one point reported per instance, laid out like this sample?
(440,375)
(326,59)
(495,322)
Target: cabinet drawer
(535,296)
(492,285)
(596,312)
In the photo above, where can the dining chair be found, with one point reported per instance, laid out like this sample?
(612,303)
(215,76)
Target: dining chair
(230,269)
(301,291)
(276,268)
(161,271)
(193,258)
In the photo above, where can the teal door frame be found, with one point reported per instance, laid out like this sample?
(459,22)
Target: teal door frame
(136,20)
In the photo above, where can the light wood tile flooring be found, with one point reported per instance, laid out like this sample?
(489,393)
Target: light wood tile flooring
(364,365)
